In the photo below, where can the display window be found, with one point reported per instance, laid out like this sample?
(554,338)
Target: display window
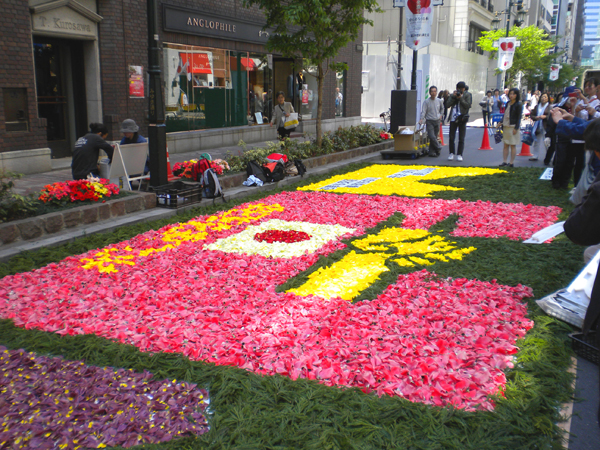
(214,88)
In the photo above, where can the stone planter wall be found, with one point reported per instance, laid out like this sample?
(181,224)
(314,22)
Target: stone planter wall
(35,227)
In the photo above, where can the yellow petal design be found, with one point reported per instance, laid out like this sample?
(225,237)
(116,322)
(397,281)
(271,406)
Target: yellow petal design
(346,278)
(390,179)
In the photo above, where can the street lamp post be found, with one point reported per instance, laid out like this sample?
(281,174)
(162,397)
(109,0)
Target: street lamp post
(157,131)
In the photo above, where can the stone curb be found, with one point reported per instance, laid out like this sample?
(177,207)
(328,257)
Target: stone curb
(47,224)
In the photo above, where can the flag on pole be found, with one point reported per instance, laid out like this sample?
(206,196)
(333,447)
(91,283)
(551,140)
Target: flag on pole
(506,52)
(419,14)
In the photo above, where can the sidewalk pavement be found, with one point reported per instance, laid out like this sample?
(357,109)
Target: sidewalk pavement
(583,427)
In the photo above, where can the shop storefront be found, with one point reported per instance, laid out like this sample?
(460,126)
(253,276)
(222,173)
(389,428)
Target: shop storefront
(69,63)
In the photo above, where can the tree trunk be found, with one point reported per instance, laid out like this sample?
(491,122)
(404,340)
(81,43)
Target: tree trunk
(320,79)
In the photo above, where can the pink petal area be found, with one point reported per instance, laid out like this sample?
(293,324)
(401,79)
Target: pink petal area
(434,341)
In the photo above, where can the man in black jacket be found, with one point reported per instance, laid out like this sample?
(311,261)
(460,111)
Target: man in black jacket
(460,101)
(583,227)
(86,152)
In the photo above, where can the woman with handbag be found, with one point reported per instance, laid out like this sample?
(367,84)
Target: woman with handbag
(511,124)
(539,115)
(282,110)
(487,103)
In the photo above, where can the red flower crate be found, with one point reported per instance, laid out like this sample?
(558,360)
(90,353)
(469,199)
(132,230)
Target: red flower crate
(585,346)
(178,194)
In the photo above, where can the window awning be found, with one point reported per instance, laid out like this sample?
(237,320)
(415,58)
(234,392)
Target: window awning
(197,62)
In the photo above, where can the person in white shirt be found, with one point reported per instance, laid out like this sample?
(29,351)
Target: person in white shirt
(432,112)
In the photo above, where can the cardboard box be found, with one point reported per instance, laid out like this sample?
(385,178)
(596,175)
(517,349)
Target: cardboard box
(406,142)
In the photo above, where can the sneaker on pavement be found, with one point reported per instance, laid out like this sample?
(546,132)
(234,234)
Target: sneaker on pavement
(451,157)
(459,158)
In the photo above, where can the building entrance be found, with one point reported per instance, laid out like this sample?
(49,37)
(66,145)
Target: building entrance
(60,85)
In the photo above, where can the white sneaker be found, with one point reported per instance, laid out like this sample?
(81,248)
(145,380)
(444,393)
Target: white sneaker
(451,157)
(459,158)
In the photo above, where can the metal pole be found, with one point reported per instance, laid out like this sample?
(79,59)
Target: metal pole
(507,28)
(399,74)
(413,78)
(157,131)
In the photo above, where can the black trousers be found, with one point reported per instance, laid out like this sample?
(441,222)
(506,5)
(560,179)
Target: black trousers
(283,133)
(462,131)
(566,157)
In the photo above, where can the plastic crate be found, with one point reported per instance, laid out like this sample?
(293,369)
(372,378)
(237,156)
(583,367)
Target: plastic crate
(585,346)
(178,194)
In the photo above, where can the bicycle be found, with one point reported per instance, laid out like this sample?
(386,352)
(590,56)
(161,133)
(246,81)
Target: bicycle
(386,116)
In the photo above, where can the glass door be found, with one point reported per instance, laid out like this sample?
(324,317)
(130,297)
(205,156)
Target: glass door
(51,98)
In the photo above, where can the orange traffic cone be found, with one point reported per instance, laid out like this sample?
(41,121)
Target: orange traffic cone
(525,151)
(485,142)
(170,175)
(441,135)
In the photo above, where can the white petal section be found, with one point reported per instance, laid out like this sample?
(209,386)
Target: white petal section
(244,242)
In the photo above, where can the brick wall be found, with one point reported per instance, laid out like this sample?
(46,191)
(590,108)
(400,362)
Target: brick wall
(17,71)
(123,37)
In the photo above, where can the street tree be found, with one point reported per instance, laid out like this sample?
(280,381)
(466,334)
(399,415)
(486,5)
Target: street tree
(315,30)
(530,57)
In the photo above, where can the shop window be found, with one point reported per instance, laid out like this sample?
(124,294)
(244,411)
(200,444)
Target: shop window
(309,93)
(213,88)
(15,109)
(340,94)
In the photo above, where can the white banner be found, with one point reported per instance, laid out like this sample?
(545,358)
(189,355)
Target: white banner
(506,52)
(554,71)
(419,14)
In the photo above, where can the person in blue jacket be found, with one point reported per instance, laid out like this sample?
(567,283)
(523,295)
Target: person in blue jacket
(131,135)
(573,127)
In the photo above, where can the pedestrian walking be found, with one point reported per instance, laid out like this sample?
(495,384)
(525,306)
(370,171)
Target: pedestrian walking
(432,112)
(487,105)
(460,103)
(511,127)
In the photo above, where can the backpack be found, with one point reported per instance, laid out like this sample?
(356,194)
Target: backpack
(274,157)
(274,171)
(211,188)
(253,168)
(300,166)
(199,168)
(290,169)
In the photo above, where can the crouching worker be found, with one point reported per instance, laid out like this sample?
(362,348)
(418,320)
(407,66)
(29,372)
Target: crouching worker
(583,227)
(86,152)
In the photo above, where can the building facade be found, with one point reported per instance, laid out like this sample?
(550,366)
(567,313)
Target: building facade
(591,34)
(68,63)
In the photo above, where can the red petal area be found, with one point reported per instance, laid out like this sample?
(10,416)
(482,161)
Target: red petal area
(287,236)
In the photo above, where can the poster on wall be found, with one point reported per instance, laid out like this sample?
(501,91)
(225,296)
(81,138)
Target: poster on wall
(554,71)
(305,96)
(402,3)
(136,81)
(419,14)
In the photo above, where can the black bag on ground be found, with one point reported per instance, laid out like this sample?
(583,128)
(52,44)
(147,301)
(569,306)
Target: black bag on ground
(253,168)
(211,188)
(274,171)
(300,166)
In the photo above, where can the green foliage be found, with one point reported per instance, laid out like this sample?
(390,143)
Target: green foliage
(343,139)
(530,57)
(14,206)
(315,30)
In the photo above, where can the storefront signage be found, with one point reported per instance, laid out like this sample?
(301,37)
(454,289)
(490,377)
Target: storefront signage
(65,21)
(189,21)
